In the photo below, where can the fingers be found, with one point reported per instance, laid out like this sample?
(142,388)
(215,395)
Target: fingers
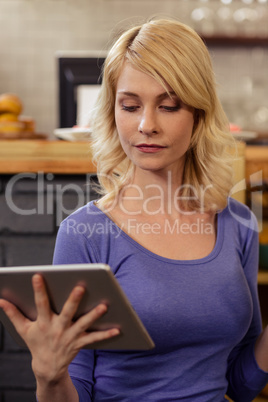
(76,331)
(71,305)
(85,322)
(15,316)
(41,298)
(69,309)
(96,336)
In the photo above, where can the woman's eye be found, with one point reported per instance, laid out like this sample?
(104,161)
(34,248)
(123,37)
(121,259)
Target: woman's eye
(170,108)
(129,108)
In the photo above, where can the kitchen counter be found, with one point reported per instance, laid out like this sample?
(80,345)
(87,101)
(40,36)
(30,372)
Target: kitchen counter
(59,157)
(63,157)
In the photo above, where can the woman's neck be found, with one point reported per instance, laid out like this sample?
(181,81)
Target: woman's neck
(152,193)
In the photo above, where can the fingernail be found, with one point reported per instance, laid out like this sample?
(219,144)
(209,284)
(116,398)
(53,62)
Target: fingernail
(79,290)
(101,308)
(114,331)
(36,280)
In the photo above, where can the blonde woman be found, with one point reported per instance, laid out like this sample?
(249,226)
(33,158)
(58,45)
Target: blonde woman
(185,254)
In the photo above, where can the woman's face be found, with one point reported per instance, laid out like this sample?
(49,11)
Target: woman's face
(154,129)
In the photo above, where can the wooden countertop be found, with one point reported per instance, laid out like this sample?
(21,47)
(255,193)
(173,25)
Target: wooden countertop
(64,157)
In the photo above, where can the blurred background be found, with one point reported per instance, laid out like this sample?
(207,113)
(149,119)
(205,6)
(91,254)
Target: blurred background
(50,51)
(33,32)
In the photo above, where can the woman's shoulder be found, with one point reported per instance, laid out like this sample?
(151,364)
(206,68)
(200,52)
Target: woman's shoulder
(237,214)
(88,212)
(91,223)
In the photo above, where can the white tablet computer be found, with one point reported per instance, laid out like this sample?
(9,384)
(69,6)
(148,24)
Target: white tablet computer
(101,286)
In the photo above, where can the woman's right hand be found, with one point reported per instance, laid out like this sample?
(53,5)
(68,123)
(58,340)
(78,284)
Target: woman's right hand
(54,339)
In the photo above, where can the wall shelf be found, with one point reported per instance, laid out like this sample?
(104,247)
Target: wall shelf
(229,41)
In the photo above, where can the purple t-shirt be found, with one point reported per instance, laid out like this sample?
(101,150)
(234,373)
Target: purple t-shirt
(202,314)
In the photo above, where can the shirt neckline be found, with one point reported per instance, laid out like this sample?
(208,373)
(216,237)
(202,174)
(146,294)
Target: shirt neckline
(213,254)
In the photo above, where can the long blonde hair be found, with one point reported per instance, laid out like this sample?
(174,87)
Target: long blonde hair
(174,55)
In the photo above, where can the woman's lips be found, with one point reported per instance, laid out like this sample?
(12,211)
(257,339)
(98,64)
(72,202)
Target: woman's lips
(149,148)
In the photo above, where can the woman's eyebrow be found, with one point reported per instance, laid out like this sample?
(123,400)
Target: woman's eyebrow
(170,94)
(160,96)
(127,93)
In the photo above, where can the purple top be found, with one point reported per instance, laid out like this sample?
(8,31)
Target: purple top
(203,314)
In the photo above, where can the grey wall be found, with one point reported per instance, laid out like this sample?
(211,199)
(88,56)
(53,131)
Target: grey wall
(32,31)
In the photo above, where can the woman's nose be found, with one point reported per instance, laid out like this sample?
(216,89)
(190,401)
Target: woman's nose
(148,123)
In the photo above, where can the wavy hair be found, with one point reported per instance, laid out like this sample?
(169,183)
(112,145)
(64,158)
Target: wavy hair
(175,55)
